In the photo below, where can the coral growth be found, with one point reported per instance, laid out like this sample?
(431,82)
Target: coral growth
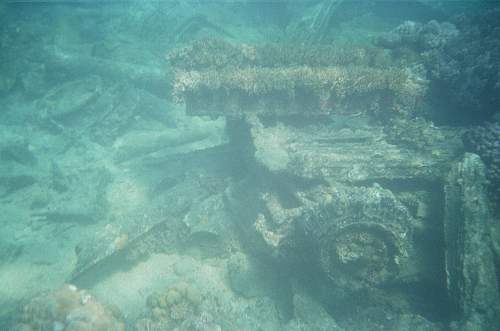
(67,309)
(461,61)
(218,54)
(257,81)
(176,306)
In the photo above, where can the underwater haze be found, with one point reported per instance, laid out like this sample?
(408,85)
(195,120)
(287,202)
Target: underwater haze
(247,165)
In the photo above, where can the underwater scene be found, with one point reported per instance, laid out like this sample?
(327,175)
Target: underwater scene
(246,165)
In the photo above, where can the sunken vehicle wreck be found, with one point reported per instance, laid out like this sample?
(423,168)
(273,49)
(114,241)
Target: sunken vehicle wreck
(330,203)
(340,175)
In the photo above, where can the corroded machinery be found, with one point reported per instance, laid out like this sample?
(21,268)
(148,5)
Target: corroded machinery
(340,174)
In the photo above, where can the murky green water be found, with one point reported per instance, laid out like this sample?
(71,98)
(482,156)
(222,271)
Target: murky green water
(249,165)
